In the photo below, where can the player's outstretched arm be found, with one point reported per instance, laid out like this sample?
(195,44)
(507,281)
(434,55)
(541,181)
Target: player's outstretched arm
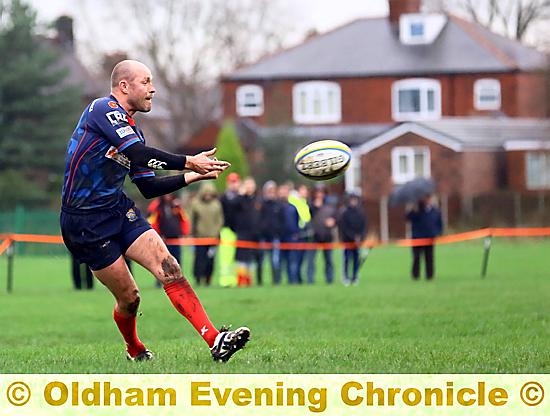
(153,158)
(152,187)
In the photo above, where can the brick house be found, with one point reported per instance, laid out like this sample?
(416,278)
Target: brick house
(415,95)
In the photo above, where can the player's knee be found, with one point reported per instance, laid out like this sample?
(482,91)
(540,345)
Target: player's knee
(171,270)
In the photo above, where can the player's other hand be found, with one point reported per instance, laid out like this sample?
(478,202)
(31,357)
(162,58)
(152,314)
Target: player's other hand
(205,162)
(191,177)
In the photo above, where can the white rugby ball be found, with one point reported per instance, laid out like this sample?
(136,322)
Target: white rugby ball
(324,159)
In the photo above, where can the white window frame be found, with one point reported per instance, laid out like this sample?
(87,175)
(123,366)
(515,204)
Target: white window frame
(485,84)
(316,102)
(409,152)
(353,178)
(242,100)
(539,179)
(424,86)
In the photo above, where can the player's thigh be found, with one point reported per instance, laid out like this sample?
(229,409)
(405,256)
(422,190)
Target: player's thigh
(118,279)
(151,252)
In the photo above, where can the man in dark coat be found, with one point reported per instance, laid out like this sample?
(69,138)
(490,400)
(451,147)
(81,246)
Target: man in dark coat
(352,225)
(426,223)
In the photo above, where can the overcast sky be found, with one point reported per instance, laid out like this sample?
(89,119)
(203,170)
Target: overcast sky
(319,14)
(305,15)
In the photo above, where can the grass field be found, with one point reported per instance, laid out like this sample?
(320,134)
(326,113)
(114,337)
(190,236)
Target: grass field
(458,323)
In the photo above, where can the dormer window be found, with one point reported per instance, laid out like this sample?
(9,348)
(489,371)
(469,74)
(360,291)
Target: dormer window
(420,29)
(250,100)
(487,94)
(417,29)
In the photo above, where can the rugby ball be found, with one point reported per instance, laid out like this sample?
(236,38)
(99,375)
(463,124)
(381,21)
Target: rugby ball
(322,160)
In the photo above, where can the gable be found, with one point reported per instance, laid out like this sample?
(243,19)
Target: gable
(405,128)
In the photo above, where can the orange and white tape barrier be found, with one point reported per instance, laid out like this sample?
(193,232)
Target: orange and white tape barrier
(8,239)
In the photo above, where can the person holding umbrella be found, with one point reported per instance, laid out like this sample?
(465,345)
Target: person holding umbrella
(426,223)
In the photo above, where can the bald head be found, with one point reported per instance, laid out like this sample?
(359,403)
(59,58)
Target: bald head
(127,70)
(132,86)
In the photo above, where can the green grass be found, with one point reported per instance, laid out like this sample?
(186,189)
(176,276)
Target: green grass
(458,323)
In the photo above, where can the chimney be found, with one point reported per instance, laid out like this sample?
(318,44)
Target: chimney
(399,7)
(64,28)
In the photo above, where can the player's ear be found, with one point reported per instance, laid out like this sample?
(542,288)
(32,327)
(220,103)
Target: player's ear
(123,86)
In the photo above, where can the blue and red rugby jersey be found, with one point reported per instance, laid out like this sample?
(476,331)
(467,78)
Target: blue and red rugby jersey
(95,165)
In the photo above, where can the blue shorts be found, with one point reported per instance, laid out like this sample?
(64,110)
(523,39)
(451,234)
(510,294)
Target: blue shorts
(100,237)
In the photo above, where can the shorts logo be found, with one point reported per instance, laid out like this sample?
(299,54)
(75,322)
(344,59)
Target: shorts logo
(118,157)
(124,131)
(116,117)
(131,215)
(156,164)
(112,104)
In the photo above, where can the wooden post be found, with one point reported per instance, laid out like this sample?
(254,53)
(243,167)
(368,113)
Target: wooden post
(10,253)
(487,248)
(517,209)
(384,223)
(444,202)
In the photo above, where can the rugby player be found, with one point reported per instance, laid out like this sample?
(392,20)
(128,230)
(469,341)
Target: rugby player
(101,225)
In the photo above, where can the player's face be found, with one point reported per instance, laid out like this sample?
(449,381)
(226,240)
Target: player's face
(141,91)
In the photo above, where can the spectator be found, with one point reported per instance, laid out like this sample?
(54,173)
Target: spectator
(323,221)
(353,229)
(168,218)
(206,216)
(82,275)
(290,234)
(299,199)
(426,223)
(228,237)
(246,225)
(272,222)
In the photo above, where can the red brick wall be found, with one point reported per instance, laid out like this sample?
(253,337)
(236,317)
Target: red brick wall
(516,176)
(368,100)
(480,173)
(532,95)
(457,175)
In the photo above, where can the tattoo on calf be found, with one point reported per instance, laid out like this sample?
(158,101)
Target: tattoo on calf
(171,269)
(134,306)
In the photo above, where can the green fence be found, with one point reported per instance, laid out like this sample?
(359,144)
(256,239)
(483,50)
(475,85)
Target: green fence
(24,221)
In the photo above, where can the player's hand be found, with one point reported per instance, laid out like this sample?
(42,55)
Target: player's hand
(191,177)
(205,162)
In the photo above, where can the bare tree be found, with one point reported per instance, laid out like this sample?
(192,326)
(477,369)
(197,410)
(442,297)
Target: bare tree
(513,18)
(188,44)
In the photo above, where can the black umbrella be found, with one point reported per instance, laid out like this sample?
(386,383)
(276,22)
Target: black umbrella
(412,191)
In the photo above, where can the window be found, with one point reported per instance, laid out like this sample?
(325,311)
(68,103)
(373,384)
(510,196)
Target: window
(417,29)
(250,100)
(408,163)
(420,28)
(316,102)
(353,175)
(487,94)
(537,170)
(416,99)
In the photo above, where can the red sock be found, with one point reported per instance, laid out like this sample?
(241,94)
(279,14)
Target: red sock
(127,327)
(185,300)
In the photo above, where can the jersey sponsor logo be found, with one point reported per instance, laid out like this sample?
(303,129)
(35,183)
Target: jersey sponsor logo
(156,164)
(112,104)
(116,117)
(118,157)
(124,131)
